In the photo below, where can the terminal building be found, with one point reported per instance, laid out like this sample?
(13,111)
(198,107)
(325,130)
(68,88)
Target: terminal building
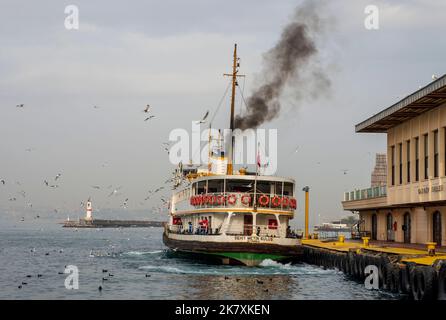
(406,201)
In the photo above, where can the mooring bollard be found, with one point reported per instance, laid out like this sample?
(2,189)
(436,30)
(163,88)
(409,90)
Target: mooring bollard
(341,238)
(431,248)
(365,241)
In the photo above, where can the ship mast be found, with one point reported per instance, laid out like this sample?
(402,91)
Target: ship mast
(234,76)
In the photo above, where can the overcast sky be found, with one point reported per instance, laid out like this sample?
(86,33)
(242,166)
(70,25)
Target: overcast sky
(172,54)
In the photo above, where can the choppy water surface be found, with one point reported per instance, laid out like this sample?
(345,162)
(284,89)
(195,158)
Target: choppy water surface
(139,266)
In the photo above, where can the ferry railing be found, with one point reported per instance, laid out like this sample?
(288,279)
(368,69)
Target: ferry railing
(245,204)
(260,230)
(185,229)
(363,194)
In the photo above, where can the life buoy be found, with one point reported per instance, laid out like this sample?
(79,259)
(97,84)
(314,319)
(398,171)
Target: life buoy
(231,199)
(276,201)
(263,200)
(293,203)
(245,199)
(220,199)
(212,199)
(192,200)
(285,202)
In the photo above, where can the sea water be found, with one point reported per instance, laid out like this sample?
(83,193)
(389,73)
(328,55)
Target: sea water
(133,263)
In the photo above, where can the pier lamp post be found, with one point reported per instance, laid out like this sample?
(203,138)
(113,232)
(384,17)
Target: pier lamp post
(307,204)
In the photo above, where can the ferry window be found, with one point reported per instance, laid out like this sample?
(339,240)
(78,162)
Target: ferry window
(288,189)
(278,188)
(201,187)
(215,186)
(408,160)
(417,159)
(400,154)
(392,154)
(436,153)
(264,187)
(426,157)
(240,186)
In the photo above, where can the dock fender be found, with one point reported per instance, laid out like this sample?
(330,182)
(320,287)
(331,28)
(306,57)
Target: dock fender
(398,275)
(361,266)
(344,263)
(382,270)
(405,277)
(333,260)
(423,282)
(328,260)
(441,287)
(347,264)
(357,266)
(351,264)
(392,277)
(339,261)
(317,258)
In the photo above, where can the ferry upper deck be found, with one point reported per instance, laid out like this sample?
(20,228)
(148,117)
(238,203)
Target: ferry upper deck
(237,193)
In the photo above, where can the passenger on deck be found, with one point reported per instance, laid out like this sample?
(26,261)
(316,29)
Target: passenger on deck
(190,227)
(206,225)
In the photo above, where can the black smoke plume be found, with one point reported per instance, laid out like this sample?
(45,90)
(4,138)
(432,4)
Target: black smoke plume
(291,62)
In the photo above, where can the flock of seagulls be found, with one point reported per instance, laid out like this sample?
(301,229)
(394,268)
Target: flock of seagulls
(55,182)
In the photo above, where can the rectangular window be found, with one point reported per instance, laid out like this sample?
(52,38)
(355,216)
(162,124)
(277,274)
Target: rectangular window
(436,153)
(408,160)
(417,159)
(393,165)
(426,156)
(400,165)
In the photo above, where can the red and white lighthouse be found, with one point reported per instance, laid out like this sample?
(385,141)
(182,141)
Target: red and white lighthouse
(89,211)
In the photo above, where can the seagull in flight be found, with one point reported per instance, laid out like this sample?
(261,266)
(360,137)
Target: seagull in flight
(204,118)
(57,176)
(114,192)
(146,109)
(46,183)
(148,118)
(20,105)
(344,170)
(96,187)
(3,181)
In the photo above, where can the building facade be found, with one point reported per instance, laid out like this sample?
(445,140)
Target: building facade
(379,174)
(411,207)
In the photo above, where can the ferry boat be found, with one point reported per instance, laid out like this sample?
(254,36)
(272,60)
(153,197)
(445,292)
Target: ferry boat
(236,216)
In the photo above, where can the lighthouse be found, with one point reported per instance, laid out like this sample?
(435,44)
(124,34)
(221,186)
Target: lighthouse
(89,210)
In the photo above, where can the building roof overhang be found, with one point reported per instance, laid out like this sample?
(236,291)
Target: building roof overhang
(427,98)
